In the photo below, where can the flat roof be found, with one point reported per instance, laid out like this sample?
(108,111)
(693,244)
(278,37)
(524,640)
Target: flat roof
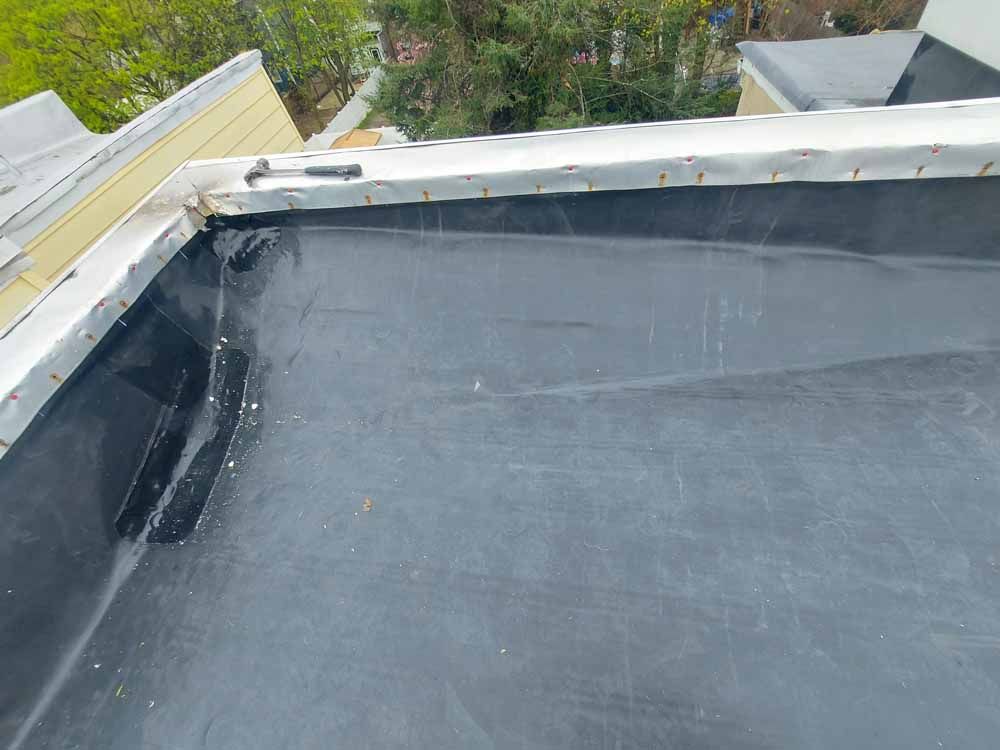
(697,467)
(850,71)
(645,435)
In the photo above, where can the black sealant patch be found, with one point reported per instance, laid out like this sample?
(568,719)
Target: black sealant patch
(170,491)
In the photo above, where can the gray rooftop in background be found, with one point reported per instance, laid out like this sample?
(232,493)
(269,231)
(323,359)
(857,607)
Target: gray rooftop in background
(850,71)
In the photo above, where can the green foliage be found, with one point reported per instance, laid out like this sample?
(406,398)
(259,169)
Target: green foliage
(111,59)
(519,65)
(311,37)
(49,42)
(191,37)
(866,16)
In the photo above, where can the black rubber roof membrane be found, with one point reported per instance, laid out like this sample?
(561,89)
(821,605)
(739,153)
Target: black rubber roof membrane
(692,468)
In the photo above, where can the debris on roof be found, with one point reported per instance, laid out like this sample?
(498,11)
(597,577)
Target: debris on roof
(357,139)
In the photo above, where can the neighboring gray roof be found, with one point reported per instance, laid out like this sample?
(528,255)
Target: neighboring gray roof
(850,71)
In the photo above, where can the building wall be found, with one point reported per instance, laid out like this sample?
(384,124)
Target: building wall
(754,100)
(968,25)
(248,119)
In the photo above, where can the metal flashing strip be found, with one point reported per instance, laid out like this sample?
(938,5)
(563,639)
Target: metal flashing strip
(13,261)
(48,340)
(40,204)
(41,348)
(943,140)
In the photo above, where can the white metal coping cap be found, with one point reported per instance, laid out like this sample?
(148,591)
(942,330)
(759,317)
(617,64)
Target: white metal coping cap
(45,344)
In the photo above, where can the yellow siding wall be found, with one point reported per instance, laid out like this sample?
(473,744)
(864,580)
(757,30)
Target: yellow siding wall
(250,119)
(754,100)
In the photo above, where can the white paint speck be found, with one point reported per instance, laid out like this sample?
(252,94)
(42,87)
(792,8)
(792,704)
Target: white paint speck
(253,406)
(218,347)
(503,651)
(223,339)
(152,703)
(232,464)
(97,666)
(476,387)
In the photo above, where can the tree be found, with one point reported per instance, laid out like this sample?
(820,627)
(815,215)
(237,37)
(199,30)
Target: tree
(492,66)
(111,59)
(341,27)
(316,38)
(389,14)
(866,16)
(192,37)
(496,67)
(85,50)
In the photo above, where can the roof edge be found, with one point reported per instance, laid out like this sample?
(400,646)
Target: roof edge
(108,153)
(49,340)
